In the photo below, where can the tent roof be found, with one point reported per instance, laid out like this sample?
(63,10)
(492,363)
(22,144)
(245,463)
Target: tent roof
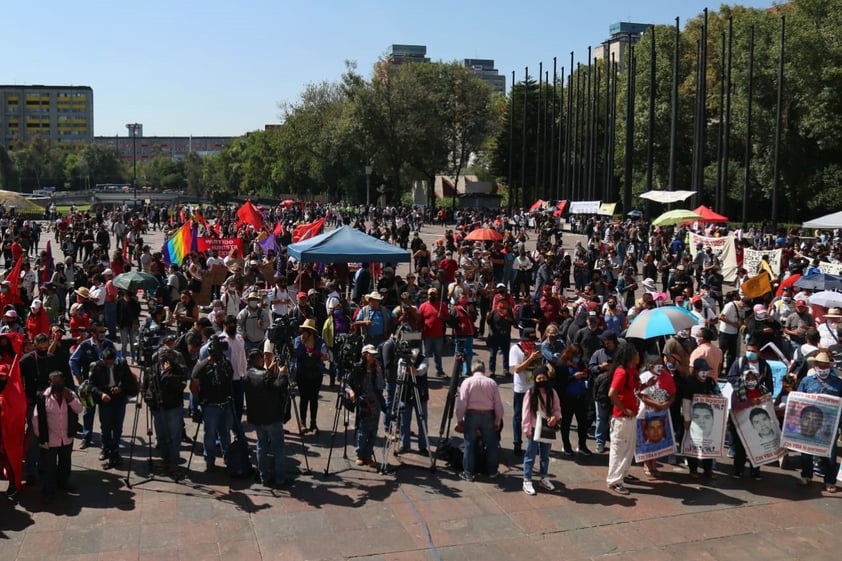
(666,197)
(346,244)
(827,221)
(709,215)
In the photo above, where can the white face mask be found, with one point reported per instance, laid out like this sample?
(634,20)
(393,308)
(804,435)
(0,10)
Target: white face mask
(823,373)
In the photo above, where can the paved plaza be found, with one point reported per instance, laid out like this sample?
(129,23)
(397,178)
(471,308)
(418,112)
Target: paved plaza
(354,512)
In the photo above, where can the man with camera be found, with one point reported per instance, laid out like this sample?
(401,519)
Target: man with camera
(163,392)
(212,385)
(268,408)
(365,391)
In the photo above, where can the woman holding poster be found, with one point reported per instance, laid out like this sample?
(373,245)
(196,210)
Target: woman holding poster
(655,436)
(704,419)
(748,393)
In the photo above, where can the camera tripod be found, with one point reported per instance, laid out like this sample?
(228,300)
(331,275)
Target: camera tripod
(340,410)
(449,406)
(284,356)
(146,374)
(406,395)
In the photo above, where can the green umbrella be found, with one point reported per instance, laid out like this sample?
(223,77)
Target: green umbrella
(136,280)
(676,217)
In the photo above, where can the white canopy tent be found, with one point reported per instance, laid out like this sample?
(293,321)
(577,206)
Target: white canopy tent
(829,221)
(667,197)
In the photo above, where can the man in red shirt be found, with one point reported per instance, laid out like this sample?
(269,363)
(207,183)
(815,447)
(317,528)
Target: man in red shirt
(623,395)
(449,266)
(550,307)
(434,312)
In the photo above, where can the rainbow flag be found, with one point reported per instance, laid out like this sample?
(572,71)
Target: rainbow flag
(181,244)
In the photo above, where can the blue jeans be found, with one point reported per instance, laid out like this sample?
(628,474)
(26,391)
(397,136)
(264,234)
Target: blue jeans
(217,419)
(533,448)
(603,417)
(499,343)
(828,465)
(169,426)
(367,432)
(109,311)
(466,345)
(270,440)
(88,423)
(391,388)
(433,348)
(111,416)
(482,423)
(517,418)
(128,343)
(406,422)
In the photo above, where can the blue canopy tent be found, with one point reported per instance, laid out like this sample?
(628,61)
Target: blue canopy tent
(346,244)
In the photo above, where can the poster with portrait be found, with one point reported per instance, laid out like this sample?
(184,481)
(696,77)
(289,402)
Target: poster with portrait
(757,427)
(810,423)
(655,437)
(706,436)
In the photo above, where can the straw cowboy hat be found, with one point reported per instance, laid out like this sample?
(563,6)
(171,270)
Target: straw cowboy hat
(83,292)
(309,324)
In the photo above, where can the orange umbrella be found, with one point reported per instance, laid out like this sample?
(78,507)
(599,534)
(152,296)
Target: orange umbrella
(484,234)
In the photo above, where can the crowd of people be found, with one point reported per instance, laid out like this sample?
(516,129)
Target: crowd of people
(552,317)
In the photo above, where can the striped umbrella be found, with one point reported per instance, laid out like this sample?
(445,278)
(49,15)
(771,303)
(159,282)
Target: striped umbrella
(661,321)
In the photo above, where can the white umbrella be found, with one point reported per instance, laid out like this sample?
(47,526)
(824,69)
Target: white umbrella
(667,197)
(827,299)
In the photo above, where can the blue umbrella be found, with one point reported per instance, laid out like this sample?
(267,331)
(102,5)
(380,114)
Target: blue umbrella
(820,281)
(661,321)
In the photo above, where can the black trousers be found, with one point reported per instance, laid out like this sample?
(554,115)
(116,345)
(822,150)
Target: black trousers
(578,407)
(308,389)
(55,466)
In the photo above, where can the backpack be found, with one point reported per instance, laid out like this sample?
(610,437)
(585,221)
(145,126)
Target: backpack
(238,459)
(602,384)
(800,366)
(183,283)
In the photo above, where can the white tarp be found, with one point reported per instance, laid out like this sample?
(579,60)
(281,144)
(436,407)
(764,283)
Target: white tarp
(667,197)
(584,207)
(724,249)
(827,221)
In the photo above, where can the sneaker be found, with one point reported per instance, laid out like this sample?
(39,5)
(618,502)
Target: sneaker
(494,475)
(547,484)
(466,476)
(103,455)
(630,477)
(600,448)
(584,451)
(528,488)
(619,489)
(803,481)
(567,453)
(737,475)
(84,444)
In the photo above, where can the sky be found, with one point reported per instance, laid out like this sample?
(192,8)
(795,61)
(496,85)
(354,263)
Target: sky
(217,68)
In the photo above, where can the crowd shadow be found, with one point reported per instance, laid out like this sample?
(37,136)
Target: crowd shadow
(13,518)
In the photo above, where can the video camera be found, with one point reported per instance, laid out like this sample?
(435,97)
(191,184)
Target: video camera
(350,346)
(150,340)
(217,347)
(282,331)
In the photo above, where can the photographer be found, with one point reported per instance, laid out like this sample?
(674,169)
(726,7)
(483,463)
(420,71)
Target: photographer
(268,407)
(365,391)
(311,354)
(211,384)
(163,392)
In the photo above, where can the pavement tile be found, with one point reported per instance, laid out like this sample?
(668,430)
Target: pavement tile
(81,541)
(191,533)
(160,554)
(163,536)
(239,550)
(122,555)
(41,545)
(199,552)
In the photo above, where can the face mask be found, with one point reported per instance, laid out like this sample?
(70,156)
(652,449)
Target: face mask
(823,373)
(702,374)
(671,366)
(657,369)
(217,309)
(4,290)
(751,384)
(253,305)
(58,388)
(542,384)
(612,306)
(576,360)
(751,355)
(786,299)
(683,334)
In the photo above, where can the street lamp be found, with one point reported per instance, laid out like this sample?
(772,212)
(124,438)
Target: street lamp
(133,129)
(368,170)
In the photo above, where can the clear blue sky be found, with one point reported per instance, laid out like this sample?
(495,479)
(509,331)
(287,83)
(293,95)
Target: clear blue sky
(220,68)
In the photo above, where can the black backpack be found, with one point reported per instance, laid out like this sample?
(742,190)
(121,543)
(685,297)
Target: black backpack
(238,459)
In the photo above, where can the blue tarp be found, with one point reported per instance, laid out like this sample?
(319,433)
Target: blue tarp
(346,245)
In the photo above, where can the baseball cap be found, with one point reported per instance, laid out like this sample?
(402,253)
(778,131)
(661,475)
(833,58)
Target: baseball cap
(801,302)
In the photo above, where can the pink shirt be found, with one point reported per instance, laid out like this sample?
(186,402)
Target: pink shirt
(529,420)
(479,393)
(56,419)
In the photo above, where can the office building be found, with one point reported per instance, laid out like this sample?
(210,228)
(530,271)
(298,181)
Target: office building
(621,35)
(399,54)
(174,147)
(484,68)
(64,115)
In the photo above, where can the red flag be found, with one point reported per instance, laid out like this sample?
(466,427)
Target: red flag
(201,220)
(279,229)
(13,413)
(218,228)
(13,297)
(248,214)
(181,217)
(172,220)
(306,231)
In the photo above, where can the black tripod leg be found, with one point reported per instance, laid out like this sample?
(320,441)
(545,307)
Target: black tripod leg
(193,447)
(300,432)
(449,406)
(149,428)
(337,412)
(131,446)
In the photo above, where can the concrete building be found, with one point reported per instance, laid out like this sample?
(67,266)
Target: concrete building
(399,54)
(176,147)
(484,68)
(621,35)
(64,115)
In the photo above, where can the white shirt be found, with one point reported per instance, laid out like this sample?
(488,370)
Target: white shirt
(281,294)
(522,380)
(237,348)
(98,292)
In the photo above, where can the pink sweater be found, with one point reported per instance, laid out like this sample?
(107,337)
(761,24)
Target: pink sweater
(528,422)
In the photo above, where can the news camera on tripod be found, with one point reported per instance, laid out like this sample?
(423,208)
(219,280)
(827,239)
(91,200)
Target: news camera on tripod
(411,394)
(164,380)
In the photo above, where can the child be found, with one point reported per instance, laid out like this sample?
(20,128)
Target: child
(542,400)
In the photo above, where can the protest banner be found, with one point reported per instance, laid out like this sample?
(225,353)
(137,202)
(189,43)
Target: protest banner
(724,250)
(584,207)
(655,437)
(758,430)
(752,258)
(810,423)
(830,268)
(706,436)
(222,245)
(757,286)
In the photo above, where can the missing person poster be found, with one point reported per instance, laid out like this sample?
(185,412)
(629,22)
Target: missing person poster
(655,437)
(757,427)
(810,423)
(706,436)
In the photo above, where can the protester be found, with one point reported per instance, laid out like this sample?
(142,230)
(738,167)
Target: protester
(479,413)
(541,403)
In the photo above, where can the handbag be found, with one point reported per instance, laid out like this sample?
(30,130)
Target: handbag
(543,432)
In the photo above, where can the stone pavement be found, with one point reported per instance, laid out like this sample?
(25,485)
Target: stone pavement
(411,513)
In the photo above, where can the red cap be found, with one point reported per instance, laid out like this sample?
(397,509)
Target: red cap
(302,295)
(800,302)
(696,298)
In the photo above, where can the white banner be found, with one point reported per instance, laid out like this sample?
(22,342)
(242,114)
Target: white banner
(830,268)
(752,258)
(584,207)
(723,248)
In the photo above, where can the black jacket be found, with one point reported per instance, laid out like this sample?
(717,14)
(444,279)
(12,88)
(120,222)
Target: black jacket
(266,397)
(123,379)
(36,369)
